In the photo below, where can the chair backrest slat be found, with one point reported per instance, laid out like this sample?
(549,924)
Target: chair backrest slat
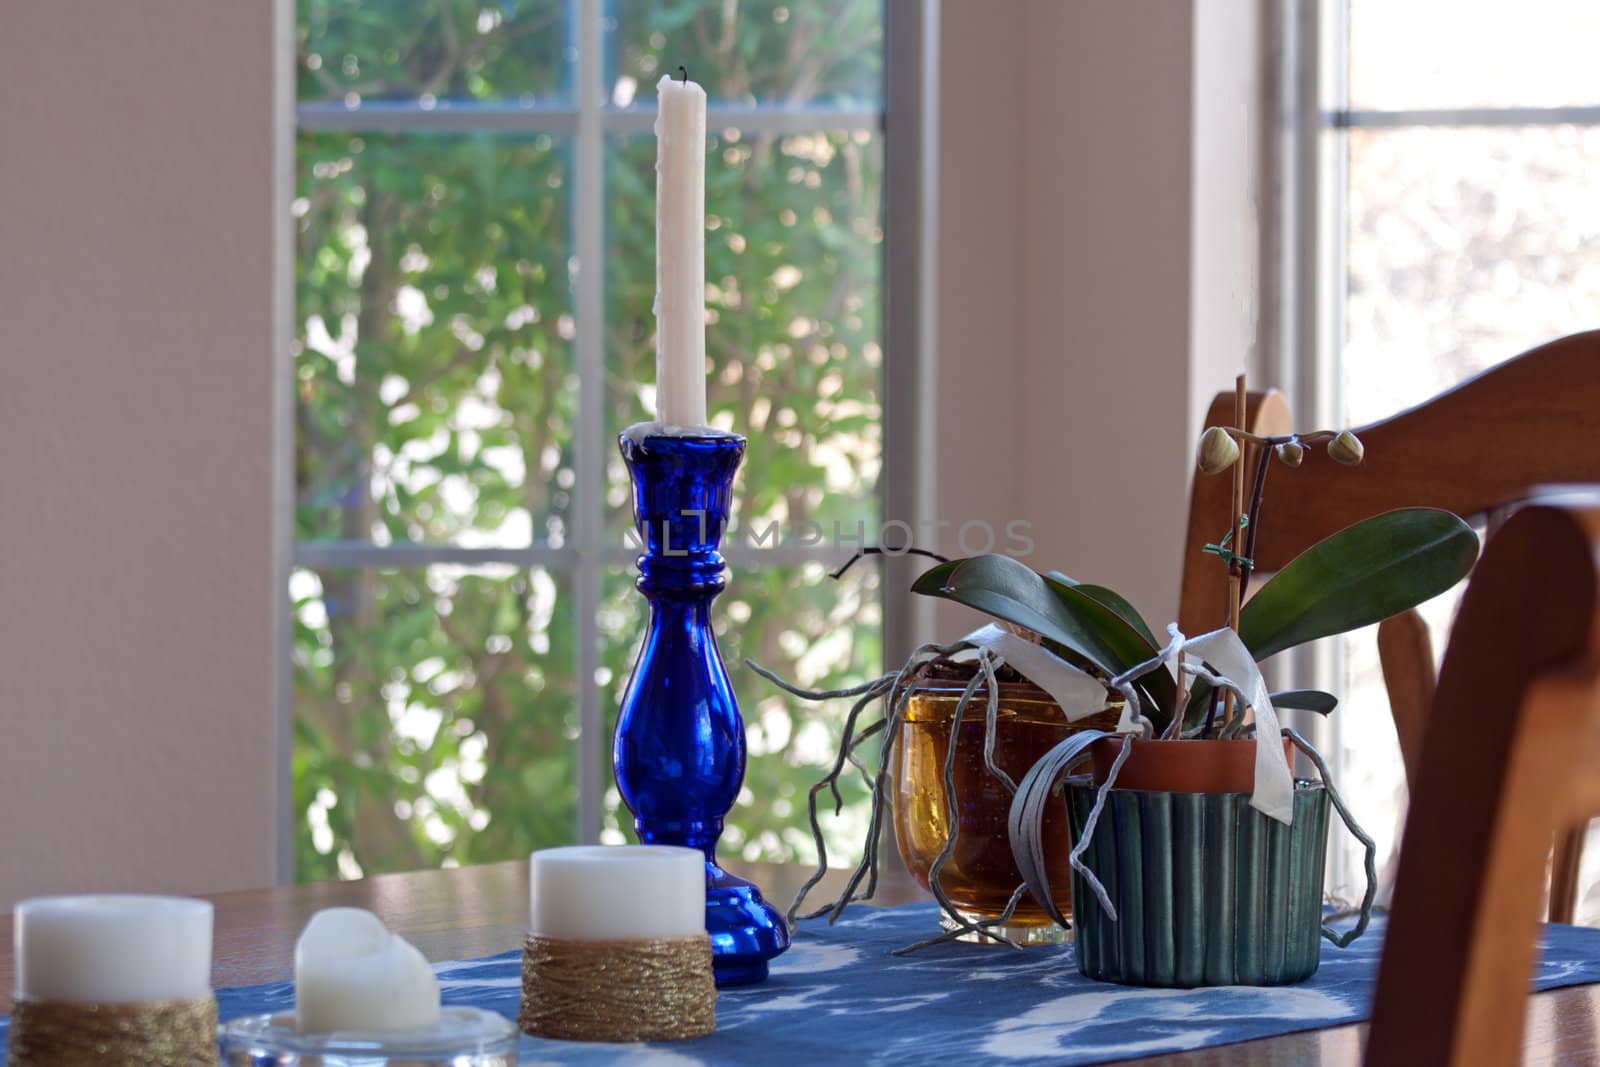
(1534,420)
(1512,741)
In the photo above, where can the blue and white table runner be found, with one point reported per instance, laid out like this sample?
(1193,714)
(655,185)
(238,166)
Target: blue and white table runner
(839,996)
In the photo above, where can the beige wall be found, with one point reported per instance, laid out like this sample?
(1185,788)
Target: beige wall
(1224,202)
(1096,271)
(979,319)
(141,334)
(1089,300)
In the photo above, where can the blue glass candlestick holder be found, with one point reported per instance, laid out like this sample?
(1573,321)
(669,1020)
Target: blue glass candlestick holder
(679,751)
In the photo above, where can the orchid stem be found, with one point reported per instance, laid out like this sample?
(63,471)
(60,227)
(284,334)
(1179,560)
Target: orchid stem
(1271,440)
(1236,519)
(1248,549)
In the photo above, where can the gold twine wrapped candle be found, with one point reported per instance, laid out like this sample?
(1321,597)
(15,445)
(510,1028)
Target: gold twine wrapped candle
(634,990)
(122,980)
(175,1033)
(618,949)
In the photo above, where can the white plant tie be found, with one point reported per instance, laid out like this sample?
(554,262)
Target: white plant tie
(1079,693)
(1133,718)
(1273,795)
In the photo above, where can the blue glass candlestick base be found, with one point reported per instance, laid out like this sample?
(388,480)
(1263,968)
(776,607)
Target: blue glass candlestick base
(745,930)
(678,751)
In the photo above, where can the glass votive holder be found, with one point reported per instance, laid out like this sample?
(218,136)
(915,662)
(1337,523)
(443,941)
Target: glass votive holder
(464,1037)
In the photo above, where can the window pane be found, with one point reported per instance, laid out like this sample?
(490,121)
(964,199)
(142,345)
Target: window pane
(1473,53)
(1372,773)
(433,358)
(787,52)
(351,51)
(793,268)
(1588,909)
(808,628)
(434,717)
(1466,247)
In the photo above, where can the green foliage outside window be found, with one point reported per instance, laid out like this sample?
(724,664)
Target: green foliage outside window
(436,705)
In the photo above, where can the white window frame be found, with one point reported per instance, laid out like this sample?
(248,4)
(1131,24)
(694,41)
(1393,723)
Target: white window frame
(1306,117)
(910,33)
(1308,114)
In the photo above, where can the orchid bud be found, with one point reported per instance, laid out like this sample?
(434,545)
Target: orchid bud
(1290,453)
(1218,450)
(1346,448)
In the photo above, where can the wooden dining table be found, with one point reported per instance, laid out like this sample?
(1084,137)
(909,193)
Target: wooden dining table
(480,911)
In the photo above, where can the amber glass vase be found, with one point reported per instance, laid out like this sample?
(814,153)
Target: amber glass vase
(981,875)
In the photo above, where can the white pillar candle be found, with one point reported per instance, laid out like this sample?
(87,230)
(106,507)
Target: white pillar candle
(680,253)
(617,892)
(351,975)
(113,949)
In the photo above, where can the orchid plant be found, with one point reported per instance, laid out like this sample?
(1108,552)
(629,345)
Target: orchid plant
(1361,575)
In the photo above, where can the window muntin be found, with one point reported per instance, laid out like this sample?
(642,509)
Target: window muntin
(461,511)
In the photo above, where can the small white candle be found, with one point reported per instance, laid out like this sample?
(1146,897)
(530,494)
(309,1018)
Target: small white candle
(351,975)
(617,892)
(113,949)
(680,253)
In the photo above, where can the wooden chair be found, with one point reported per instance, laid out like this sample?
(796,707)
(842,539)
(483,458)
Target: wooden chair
(1512,743)
(1532,421)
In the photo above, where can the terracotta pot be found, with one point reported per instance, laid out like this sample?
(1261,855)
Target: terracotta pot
(1182,766)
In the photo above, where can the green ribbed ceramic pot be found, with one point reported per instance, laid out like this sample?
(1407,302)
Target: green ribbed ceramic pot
(1208,891)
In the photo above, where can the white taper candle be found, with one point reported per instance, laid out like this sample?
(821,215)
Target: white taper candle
(617,892)
(680,253)
(113,949)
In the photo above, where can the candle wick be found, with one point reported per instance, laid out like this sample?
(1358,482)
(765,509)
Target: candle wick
(683,75)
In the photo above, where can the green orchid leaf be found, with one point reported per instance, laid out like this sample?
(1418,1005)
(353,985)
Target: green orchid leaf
(1153,686)
(1112,638)
(1005,589)
(1073,624)
(1306,700)
(931,582)
(1312,700)
(1361,575)
(1198,703)
(1116,602)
